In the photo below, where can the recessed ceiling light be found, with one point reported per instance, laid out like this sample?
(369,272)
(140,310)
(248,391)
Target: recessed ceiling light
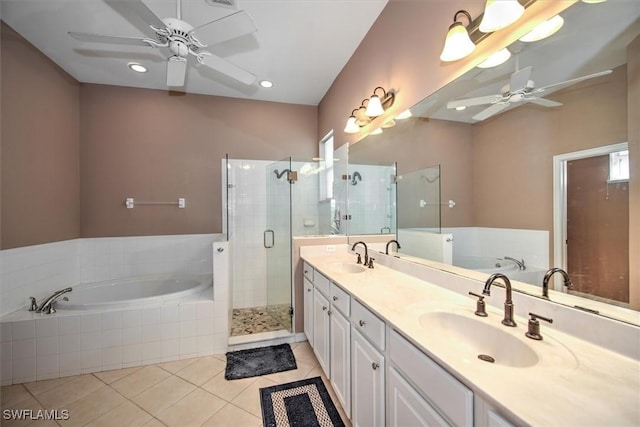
(266,83)
(544,30)
(461,108)
(498,58)
(138,68)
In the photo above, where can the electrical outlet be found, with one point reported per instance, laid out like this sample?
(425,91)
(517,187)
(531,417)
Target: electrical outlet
(330,248)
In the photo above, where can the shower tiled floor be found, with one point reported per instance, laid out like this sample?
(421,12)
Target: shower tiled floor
(184,393)
(253,320)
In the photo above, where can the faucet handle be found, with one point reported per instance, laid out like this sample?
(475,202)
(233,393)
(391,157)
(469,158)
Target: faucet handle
(33,305)
(370,265)
(359,261)
(480,305)
(533,331)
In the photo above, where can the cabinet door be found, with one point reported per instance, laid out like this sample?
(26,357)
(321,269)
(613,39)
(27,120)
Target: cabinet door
(407,408)
(367,397)
(340,350)
(321,330)
(308,310)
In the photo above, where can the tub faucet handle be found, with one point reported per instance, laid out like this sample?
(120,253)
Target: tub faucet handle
(33,305)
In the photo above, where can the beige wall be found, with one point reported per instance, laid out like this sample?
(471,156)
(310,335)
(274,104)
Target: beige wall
(513,152)
(40,146)
(633,114)
(153,145)
(402,50)
(72,153)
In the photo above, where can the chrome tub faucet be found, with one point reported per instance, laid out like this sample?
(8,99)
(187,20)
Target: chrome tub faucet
(519,263)
(508,302)
(47,305)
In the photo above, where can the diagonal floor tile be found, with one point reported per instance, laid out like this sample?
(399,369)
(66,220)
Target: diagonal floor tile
(139,381)
(12,394)
(67,393)
(232,416)
(202,370)
(29,404)
(249,399)
(92,406)
(164,394)
(196,408)
(127,414)
(39,387)
(177,365)
(227,390)
(109,377)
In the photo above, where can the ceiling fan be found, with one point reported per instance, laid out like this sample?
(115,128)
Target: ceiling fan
(181,40)
(519,91)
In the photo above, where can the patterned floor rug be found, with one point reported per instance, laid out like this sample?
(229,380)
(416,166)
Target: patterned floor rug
(259,361)
(300,403)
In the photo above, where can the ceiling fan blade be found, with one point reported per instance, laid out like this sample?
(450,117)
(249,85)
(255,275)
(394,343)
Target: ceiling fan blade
(99,38)
(176,70)
(225,67)
(480,100)
(544,102)
(519,79)
(490,111)
(147,15)
(574,81)
(229,27)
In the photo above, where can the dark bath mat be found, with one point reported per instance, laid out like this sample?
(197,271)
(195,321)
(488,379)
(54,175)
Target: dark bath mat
(301,403)
(259,361)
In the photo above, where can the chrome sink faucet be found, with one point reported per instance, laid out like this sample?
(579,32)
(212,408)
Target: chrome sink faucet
(520,263)
(547,276)
(47,305)
(386,249)
(366,251)
(508,302)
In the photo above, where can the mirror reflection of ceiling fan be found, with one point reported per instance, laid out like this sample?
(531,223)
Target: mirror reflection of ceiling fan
(520,90)
(181,40)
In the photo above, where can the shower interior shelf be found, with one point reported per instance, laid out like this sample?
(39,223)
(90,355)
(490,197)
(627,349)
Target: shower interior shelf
(130,203)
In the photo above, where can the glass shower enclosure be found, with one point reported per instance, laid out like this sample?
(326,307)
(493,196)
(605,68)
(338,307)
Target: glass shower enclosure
(278,241)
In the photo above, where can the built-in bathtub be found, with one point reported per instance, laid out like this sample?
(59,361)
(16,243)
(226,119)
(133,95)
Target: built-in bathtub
(116,324)
(531,274)
(132,292)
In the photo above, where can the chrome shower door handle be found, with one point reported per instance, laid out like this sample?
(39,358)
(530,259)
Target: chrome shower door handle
(265,240)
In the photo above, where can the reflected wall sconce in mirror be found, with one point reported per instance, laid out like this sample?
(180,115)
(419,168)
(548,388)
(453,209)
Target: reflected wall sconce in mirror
(499,14)
(369,109)
(458,44)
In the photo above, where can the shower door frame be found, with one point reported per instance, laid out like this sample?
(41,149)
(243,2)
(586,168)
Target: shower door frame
(278,242)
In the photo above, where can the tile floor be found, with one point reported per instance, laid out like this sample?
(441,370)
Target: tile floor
(184,393)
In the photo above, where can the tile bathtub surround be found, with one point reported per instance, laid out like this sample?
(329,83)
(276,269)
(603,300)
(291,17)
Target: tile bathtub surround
(66,345)
(185,393)
(39,270)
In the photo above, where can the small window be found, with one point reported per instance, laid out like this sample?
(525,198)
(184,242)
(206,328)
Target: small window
(619,166)
(326,167)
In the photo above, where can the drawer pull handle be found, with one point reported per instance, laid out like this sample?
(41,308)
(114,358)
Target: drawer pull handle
(362,323)
(324,307)
(335,298)
(329,313)
(375,366)
(306,271)
(308,289)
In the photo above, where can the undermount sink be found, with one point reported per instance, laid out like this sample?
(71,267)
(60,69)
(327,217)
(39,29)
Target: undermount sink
(345,267)
(473,340)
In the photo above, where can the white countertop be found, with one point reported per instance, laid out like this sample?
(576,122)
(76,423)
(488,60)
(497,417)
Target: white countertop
(574,383)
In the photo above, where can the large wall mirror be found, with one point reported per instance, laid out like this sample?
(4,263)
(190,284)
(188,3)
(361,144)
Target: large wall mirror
(531,168)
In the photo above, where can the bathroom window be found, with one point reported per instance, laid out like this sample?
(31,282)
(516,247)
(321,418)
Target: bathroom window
(619,166)
(326,167)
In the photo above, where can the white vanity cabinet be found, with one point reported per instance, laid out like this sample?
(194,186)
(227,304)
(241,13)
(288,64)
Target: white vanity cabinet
(407,407)
(434,388)
(321,343)
(340,350)
(367,383)
(308,310)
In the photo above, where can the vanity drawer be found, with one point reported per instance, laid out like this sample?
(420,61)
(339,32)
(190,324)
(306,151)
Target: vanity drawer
(452,398)
(321,283)
(340,299)
(368,323)
(308,271)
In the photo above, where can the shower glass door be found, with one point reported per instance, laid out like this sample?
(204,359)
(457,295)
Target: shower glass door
(277,241)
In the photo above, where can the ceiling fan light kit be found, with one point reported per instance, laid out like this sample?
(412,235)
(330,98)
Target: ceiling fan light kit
(180,38)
